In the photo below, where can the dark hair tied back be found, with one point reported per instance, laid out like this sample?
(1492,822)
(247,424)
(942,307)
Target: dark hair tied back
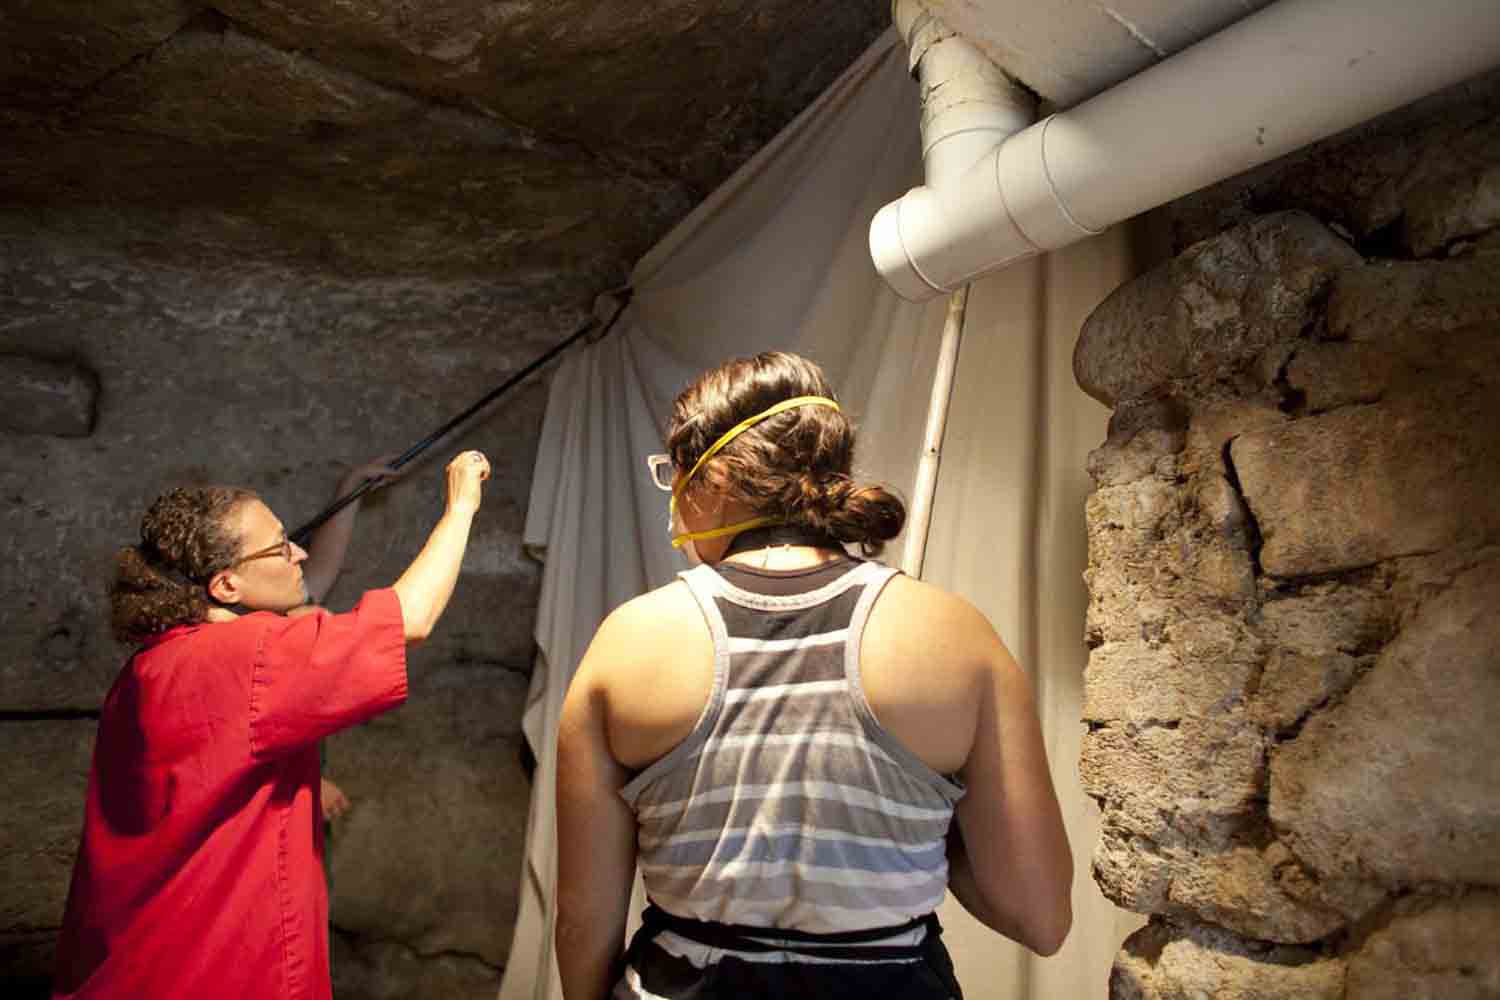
(796,465)
(185,539)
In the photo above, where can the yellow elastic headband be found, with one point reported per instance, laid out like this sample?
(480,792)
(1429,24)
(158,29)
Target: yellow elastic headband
(725,438)
(746,424)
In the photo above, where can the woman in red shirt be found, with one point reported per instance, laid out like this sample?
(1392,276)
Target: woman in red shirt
(200,870)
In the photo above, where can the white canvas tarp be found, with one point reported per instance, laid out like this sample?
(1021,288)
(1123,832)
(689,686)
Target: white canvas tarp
(777,259)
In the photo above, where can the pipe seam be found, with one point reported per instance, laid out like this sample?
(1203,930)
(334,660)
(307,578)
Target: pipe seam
(910,258)
(1057,197)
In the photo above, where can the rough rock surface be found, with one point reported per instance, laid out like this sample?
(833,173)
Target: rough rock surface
(1432,949)
(1212,311)
(1339,491)
(1397,781)
(46,397)
(429,852)
(1160,962)
(375,969)
(466,137)
(42,785)
(1292,581)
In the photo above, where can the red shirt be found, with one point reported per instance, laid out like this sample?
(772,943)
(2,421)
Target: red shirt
(200,872)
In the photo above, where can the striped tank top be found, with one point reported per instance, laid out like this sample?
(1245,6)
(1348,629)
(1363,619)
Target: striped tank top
(789,805)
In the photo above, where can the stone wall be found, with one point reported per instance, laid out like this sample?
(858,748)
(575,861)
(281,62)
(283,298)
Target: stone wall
(1294,573)
(277,378)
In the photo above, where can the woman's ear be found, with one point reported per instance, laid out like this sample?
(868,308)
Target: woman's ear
(224,587)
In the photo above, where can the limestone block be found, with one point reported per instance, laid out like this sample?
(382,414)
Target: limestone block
(46,397)
(1330,375)
(1329,617)
(1320,637)
(1141,434)
(428,855)
(1357,486)
(1143,511)
(1293,684)
(1401,304)
(1212,311)
(1397,782)
(1242,889)
(1252,891)
(1201,667)
(1160,962)
(42,785)
(1451,208)
(1196,777)
(1443,948)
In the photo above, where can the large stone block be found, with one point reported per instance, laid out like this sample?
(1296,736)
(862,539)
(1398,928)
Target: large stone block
(1322,640)
(1141,434)
(429,855)
(1453,207)
(1432,948)
(1361,485)
(46,397)
(1253,891)
(1160,962)
(1199,667)
(1194,777)
(1404,304)
(1213,311)
(1397,783)
(42,786)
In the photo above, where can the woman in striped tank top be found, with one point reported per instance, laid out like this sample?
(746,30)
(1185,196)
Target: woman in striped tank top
(782,737)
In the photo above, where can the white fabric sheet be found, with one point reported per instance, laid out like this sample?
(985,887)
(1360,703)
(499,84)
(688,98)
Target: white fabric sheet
(777,259)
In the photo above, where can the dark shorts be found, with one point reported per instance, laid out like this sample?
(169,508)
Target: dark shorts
(750,962)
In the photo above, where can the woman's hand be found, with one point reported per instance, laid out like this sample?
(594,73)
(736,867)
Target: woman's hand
(465,474)
(378,469)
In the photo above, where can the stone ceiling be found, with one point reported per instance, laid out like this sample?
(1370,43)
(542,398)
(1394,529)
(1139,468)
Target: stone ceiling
(388,137)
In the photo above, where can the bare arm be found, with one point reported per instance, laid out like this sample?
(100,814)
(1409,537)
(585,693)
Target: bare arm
(330,543)
(428,582)
(1009,860)
(596,846)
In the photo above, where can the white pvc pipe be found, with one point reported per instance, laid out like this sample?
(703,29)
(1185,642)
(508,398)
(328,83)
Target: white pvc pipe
(1286,76)
(914,554)
(969,105)
(968,108)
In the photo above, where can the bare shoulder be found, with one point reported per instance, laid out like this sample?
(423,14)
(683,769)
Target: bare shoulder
(926,659)
(652,662)
(913,615)
(644,621)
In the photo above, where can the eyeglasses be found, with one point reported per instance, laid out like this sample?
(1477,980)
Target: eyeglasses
(282,548)
(663,472)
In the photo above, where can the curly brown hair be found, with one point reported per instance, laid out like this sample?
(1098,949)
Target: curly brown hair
(796,465)
(185,540)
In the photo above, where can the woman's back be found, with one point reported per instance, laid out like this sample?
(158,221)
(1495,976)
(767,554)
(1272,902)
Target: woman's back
(788,804)
(921,659)
(792,776)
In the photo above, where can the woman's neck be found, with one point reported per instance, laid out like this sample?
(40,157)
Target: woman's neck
(783,548)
